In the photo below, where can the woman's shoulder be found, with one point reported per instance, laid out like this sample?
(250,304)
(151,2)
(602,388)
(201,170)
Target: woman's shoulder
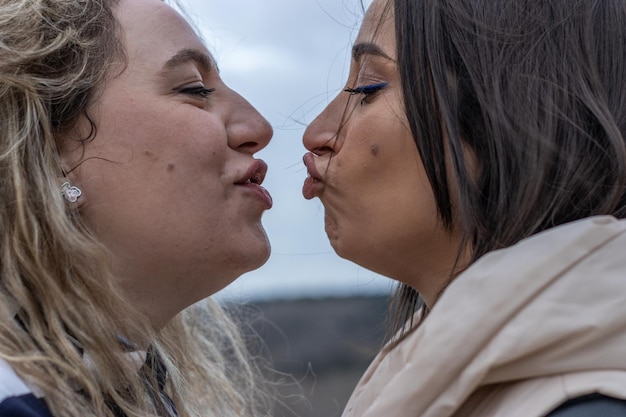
(591,406)
(16,398)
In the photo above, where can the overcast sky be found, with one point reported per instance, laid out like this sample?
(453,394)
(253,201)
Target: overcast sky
(288,58)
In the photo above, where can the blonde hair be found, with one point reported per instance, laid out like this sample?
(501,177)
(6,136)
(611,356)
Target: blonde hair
(58,296)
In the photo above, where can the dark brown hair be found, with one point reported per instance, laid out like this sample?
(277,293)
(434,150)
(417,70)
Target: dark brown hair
(534,91)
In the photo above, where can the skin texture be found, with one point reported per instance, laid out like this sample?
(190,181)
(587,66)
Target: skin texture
(161,180)
(379,207)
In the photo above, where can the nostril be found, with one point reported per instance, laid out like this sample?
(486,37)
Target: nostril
(321,150)
(248,145)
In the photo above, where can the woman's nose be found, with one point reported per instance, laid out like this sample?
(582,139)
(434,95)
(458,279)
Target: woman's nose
(247,130)
(320,136)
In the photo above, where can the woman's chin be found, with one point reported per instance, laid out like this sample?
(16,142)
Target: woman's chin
(256,253)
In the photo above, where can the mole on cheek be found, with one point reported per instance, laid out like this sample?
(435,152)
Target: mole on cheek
(170,167)
(374,149)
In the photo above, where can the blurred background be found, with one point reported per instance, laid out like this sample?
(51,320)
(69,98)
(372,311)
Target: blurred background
(321,317)
(318,348)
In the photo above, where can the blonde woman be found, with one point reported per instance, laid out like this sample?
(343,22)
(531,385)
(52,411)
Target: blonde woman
(478,157)
(128,192)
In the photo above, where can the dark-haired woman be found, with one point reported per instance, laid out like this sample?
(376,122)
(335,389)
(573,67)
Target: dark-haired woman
(477,156)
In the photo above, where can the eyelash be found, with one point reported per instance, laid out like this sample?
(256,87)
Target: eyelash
(368,91)
(200,91)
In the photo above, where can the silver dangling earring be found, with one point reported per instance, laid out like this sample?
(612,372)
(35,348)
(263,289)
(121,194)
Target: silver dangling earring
(70,192)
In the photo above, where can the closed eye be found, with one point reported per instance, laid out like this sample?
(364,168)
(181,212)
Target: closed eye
(368,91)
(199,91)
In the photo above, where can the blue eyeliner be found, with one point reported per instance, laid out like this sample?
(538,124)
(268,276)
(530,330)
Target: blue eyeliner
(366,89)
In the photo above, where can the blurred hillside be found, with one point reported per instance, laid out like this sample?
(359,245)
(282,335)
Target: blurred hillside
(319,348)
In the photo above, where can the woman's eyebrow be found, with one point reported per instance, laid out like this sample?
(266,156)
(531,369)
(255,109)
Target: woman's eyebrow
(368,48)
(184,56)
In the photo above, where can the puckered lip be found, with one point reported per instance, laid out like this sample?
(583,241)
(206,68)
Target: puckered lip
(255,173)
(309,162)
(313,184)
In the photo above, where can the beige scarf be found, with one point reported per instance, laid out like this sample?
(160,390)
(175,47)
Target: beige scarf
(552,304)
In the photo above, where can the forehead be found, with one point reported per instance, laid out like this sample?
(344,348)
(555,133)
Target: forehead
(153,31)
(378,24)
